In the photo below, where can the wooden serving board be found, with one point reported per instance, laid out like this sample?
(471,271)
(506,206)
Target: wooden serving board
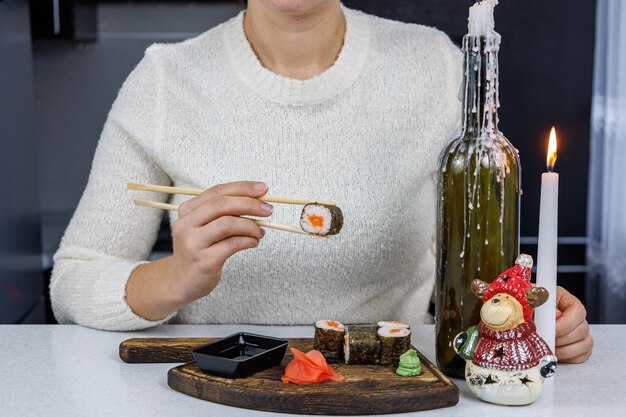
(368,389)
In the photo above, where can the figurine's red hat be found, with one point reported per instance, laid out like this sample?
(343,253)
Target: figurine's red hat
(514,281)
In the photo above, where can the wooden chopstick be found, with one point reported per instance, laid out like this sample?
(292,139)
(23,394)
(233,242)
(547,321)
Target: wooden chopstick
(173,207)
(155,204)
(197,191)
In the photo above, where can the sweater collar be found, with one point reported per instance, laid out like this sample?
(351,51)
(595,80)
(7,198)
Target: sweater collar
(326,85)
(521,330)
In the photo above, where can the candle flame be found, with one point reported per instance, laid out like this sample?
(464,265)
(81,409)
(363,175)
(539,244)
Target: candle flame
(551,150)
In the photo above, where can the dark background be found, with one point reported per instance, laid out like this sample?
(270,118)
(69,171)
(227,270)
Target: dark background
(546,74)
(546,68)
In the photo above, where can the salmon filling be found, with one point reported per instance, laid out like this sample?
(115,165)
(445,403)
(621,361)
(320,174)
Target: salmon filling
(316,221)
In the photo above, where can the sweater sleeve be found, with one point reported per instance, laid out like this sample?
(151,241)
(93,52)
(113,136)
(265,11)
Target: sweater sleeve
(108,236)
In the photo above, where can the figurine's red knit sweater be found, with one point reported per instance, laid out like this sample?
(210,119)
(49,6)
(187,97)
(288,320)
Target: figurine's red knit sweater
(514,349)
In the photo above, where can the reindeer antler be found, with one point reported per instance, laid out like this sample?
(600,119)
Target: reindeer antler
(536,296)
(478,288)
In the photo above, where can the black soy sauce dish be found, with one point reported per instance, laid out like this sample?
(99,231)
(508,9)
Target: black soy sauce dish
(240,355)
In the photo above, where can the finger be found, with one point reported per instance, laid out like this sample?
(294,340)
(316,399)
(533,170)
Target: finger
(252,189)
(228,226)
(569,352)
(579,333)
(227,206)
(224,249)
(573,312)
(559,313)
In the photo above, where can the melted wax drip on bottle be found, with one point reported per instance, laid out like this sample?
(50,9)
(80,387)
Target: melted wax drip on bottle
(487,147)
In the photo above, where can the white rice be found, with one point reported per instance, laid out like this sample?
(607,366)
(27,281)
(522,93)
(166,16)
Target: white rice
(393,324)
(393,332)
(316,210)
(323,324)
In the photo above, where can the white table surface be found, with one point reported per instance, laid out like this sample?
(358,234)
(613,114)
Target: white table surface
(53,370)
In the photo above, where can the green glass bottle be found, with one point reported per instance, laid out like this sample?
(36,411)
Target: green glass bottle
(478,202)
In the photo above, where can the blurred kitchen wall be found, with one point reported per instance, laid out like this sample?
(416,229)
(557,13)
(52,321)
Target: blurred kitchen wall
(22,298)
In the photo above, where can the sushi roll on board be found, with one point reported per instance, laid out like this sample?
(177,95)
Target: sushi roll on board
(398,324)
(394,341)
(329,338)
(321,219)
(361,345)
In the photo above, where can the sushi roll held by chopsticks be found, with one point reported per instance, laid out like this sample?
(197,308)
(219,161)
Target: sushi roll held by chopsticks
(317,218)
(321,219)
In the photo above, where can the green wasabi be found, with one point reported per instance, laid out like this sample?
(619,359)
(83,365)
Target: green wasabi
(409,364)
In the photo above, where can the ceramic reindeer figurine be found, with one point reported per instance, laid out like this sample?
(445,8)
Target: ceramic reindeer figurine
(506,360)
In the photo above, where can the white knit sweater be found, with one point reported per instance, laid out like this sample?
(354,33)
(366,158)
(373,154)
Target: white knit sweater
(366,133)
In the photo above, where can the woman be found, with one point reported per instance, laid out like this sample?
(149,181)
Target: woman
(315,100)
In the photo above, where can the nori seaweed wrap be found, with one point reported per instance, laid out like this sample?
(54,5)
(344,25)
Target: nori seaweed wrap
(394,341)
(329,338)
(361,345)
(321,219)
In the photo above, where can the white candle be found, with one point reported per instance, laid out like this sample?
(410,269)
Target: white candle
(545,315)
(480,21)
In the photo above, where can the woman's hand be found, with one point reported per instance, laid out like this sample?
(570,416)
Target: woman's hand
(209,230)
(573,341)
